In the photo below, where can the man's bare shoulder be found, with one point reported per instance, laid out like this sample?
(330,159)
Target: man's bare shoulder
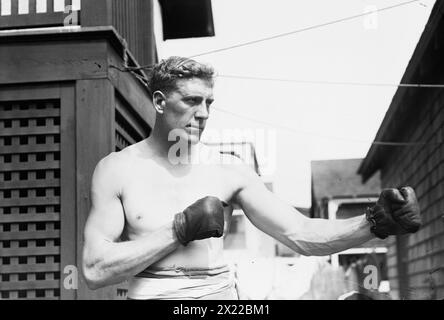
(115,161)
(121,159)
(111,170)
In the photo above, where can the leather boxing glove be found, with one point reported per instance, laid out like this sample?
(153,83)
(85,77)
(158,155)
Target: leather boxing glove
(396,212)
(203,219)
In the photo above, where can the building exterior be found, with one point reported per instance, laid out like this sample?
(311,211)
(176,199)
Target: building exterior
(338,193)
(63,106)
(333,180)
(416,117)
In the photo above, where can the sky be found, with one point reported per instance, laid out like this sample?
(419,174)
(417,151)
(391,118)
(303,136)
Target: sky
(294,123)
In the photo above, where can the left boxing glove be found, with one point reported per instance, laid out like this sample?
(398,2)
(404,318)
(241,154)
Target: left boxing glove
(395,212)
(203,219)
(408,216)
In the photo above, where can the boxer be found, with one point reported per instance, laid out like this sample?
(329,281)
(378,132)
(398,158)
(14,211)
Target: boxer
(158,222)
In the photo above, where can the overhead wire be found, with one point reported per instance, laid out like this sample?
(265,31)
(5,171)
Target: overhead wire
(316,26)
(337,83)
(328,137)
(285,34)
(144,80)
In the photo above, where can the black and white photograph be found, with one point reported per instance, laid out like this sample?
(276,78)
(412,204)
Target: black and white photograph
(244,151)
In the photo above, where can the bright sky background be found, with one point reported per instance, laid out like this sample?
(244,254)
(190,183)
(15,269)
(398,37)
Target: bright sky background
(326,121)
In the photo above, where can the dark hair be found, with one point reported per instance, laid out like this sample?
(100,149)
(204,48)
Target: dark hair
(167,72)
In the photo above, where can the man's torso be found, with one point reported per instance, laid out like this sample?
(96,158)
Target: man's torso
(153,191)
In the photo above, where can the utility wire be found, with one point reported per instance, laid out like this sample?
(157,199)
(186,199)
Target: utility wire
(144,80)
(304,29)
(283,34)
(381,143)
(341,83)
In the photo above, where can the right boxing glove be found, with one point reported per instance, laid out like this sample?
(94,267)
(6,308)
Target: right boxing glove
(203,219)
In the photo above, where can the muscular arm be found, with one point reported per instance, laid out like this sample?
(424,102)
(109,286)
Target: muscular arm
(107,261)
(287,225)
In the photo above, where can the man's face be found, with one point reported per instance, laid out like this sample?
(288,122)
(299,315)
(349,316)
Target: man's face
(187,108)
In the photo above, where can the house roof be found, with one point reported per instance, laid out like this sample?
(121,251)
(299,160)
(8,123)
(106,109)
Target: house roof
(339,179)
(399,111)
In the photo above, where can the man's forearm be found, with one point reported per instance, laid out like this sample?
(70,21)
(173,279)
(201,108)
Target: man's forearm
(121,260)
(320,237)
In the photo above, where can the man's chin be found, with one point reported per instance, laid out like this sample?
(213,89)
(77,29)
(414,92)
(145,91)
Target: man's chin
(190,138)
(193,136)
(193,139)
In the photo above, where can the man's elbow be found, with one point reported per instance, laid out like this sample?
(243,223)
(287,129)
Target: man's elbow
(92,278)
(297,247)
(305,248)
(93,284)
(303,252)
(313,252)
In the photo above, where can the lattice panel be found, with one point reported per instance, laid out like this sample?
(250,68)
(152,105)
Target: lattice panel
(123,139)
(129,129)
(30,199)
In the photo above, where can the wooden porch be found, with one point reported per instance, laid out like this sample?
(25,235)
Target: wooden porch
(63,106)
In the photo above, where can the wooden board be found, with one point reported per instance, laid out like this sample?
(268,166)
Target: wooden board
(96,13)
(22,252)
(52,61)
(26,285)
(40,217)
(131,90)
(29,235)
(68,226)
(94,140)
(30,268)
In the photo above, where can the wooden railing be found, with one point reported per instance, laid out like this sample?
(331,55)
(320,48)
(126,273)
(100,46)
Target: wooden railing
(132,19)
(18,14)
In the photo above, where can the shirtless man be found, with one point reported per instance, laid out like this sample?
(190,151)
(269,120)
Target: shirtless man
(158,222)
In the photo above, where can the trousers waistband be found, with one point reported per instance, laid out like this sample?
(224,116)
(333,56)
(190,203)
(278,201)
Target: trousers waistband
(182,272)
(179,283)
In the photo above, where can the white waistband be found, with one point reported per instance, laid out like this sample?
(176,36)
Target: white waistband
(170,287)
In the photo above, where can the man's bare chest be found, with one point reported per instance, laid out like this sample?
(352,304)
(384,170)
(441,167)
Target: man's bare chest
(152,194)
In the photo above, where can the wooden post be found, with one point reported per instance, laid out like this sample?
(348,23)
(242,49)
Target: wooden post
(68,187)
(401,255)
(94,140)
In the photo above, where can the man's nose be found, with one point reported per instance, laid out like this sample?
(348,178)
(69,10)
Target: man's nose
(202,112)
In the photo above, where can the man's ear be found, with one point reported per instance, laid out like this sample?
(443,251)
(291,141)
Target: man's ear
(159,101)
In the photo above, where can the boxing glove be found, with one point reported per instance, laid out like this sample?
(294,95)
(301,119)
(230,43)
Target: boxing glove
(396,212)
(203,219)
